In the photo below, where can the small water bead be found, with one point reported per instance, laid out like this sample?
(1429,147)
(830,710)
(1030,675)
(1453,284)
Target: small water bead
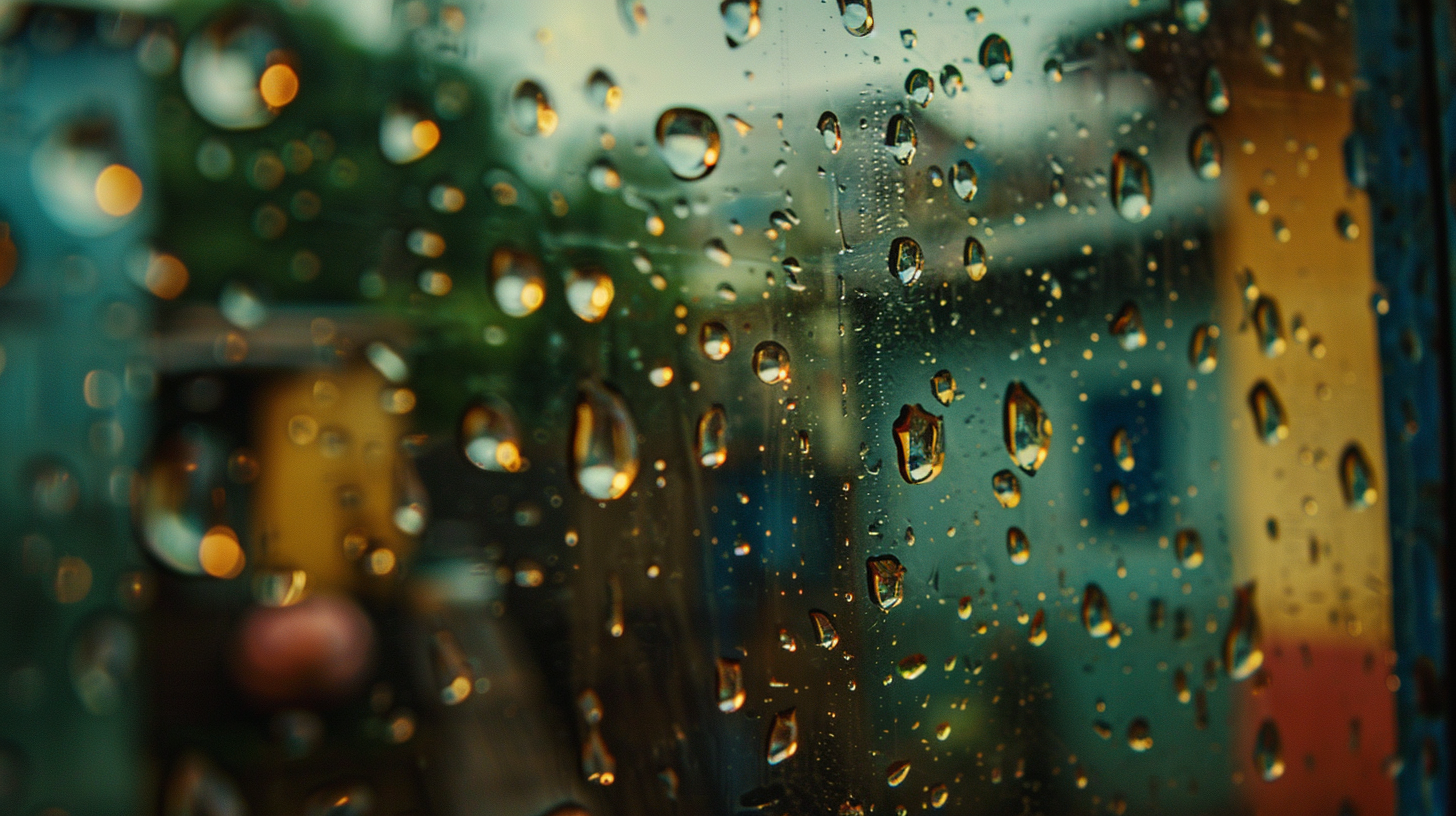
(1188,547)
(1243,652)
(1118,499)
(912,667)
(236,73)
(490,436)
(453,675)
(1122,450)
(688,142)
(1357,480)
(1132,186)
(1268,751)
(1262,30)
(714,340)
(1096,612)
(1026,428)
(951,81)
(906,260)
(1269,327)
(974,258)
(741,22)
(1058,190)
(908,38)
(517,282)
(995,56)
(1127,327)
(900,138)
(1205,153)
(919,87)
(1006,488)
(1314,77)
(829,130)
(81,177)
(963,180)
(1203,348)
(712,441)
(604,177)
(406,134)
(896,773)
(597,763)
(603,443)
(1139,735)
(604,91)
(857,16)
(886,578)
(825,635)
(1018,546)
(1053,70)
(730,691)
(1215,92)
(1269,420)
(1346,227)
(943,387)
(1036,633)
(919,444)
(783,737)
(531,110)
(589,293)
(771,362)
(1132,38)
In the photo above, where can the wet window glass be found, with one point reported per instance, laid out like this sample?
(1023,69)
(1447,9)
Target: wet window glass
(653,406)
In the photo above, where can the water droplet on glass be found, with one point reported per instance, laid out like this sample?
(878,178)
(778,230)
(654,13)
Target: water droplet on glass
(906,260)
(1139,735)
(741,22)
(490,436)
(1132,186)
(1215,92)
(1127,327)
(82,179)
(1268,752)
(951,81)
(102,662)
(176,508)
(783,737)
(1205,153)
(907,37)
(1269,327)
(857,16)
(900,138)
(597,763)
(1203,348)
(517,282)
(1262,29)
(1018,546)
(996,58)
(1053,70)
(604,177)
(604,91)
(1133,39)
(1027,429)
(1314,77)
(1122,450)
(1243,653)
(825,635)
(1195,14)
(226,73)
(919,444)
(974,257)
(896,773)
(912,666)
(241,306)
(411,502)
(406,134)
(1269,422)
(1118,499)
(453,676)
(714,340)
(1188,546)
(771,362)
(829,130)
(688,142)
(919,87)
(603,443)
(1346,227)
(1006,488)
(963,180)
(712,439)
(943,386)
(887,581)
(730,685)
(531,110)
(1036,633)
(1357,480)
(1096,612)
(589,293)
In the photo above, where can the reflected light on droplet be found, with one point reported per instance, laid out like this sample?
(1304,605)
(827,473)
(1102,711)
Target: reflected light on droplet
(278,86)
